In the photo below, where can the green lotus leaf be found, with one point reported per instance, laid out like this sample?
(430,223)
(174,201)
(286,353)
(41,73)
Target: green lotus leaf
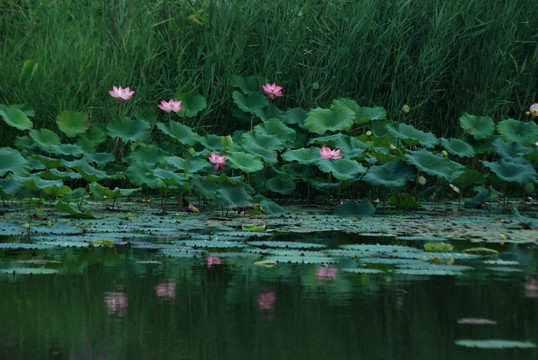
(327,139)
(60,205)
(34,182)
(251,102)
(296,116)
(342,169)
(522,132)
(206,189)
(115,193)
(223,178)
(468,178)
(13,161)
(281,185)
(140,173)
(147,153)
(170,178)
(68,150)
(363,114)
(392,175)
(276,128)
(512,172)
(99,158)
(212,142)
(248,84)
(56,191)
(352,147)
(73,123)
(509,151)
(88,172)
(9,188)
(435,165)
(15,117)
(179,132)
(270,112)
(411,135)
(321,120)
(351,208)
(92,138)
(49,162)
(234,195)
(127,129)
(268,156)
(63,175)
(269,206)
(481,127)
(243,161)
(457,147)
(403,200)
(44,138)
(192,104)
(480,146)
(302,155)
(270,142)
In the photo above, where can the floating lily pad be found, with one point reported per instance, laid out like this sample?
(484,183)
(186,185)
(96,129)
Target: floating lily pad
(286,245)
(476,321)
(427,272)
(438,247)
(481,251)
(495,344)
(303,259)
(253,227)
(28,271)
(362,271)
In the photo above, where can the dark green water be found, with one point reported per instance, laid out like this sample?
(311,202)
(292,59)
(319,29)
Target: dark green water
(125,304)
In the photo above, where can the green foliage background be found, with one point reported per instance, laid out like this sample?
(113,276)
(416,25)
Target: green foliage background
(443,58)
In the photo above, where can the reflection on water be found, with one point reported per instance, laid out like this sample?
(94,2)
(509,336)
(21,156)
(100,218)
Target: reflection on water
(105,305)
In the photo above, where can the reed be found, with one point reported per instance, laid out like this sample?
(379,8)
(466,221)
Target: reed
(442,58)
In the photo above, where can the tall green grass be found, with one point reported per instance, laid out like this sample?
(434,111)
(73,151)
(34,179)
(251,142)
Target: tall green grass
(442,58)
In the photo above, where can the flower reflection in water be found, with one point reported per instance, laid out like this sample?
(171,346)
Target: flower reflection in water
(212,260)
(116,302)
(326,273)
(531,288)
(166,289)
(266,300)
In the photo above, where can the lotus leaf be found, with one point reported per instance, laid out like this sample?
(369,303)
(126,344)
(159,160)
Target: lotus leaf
(480,127)
(342,169)
(510,151)
(251,102)
(522,132)
(435,165)
(512,171)
(302,155)
(73,123)
(127,129)
(234,195)
(179,132)
(192,104)
(411,135)
(458,147)
(296,116)
(243,161)
(15,117)
(321,120)
(44,138)
(276,128)
(350,208)
(67,150)
(13,161)
(278,184)
(392,175)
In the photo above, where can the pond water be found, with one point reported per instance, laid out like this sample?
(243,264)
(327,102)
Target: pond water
(126,302)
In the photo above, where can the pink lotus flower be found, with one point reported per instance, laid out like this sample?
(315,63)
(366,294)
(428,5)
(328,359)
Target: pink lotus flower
(123,94)
(533,110)
(213,260)
(272,90)
(266,300)
(218,160)
(171,105)
(326,153)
